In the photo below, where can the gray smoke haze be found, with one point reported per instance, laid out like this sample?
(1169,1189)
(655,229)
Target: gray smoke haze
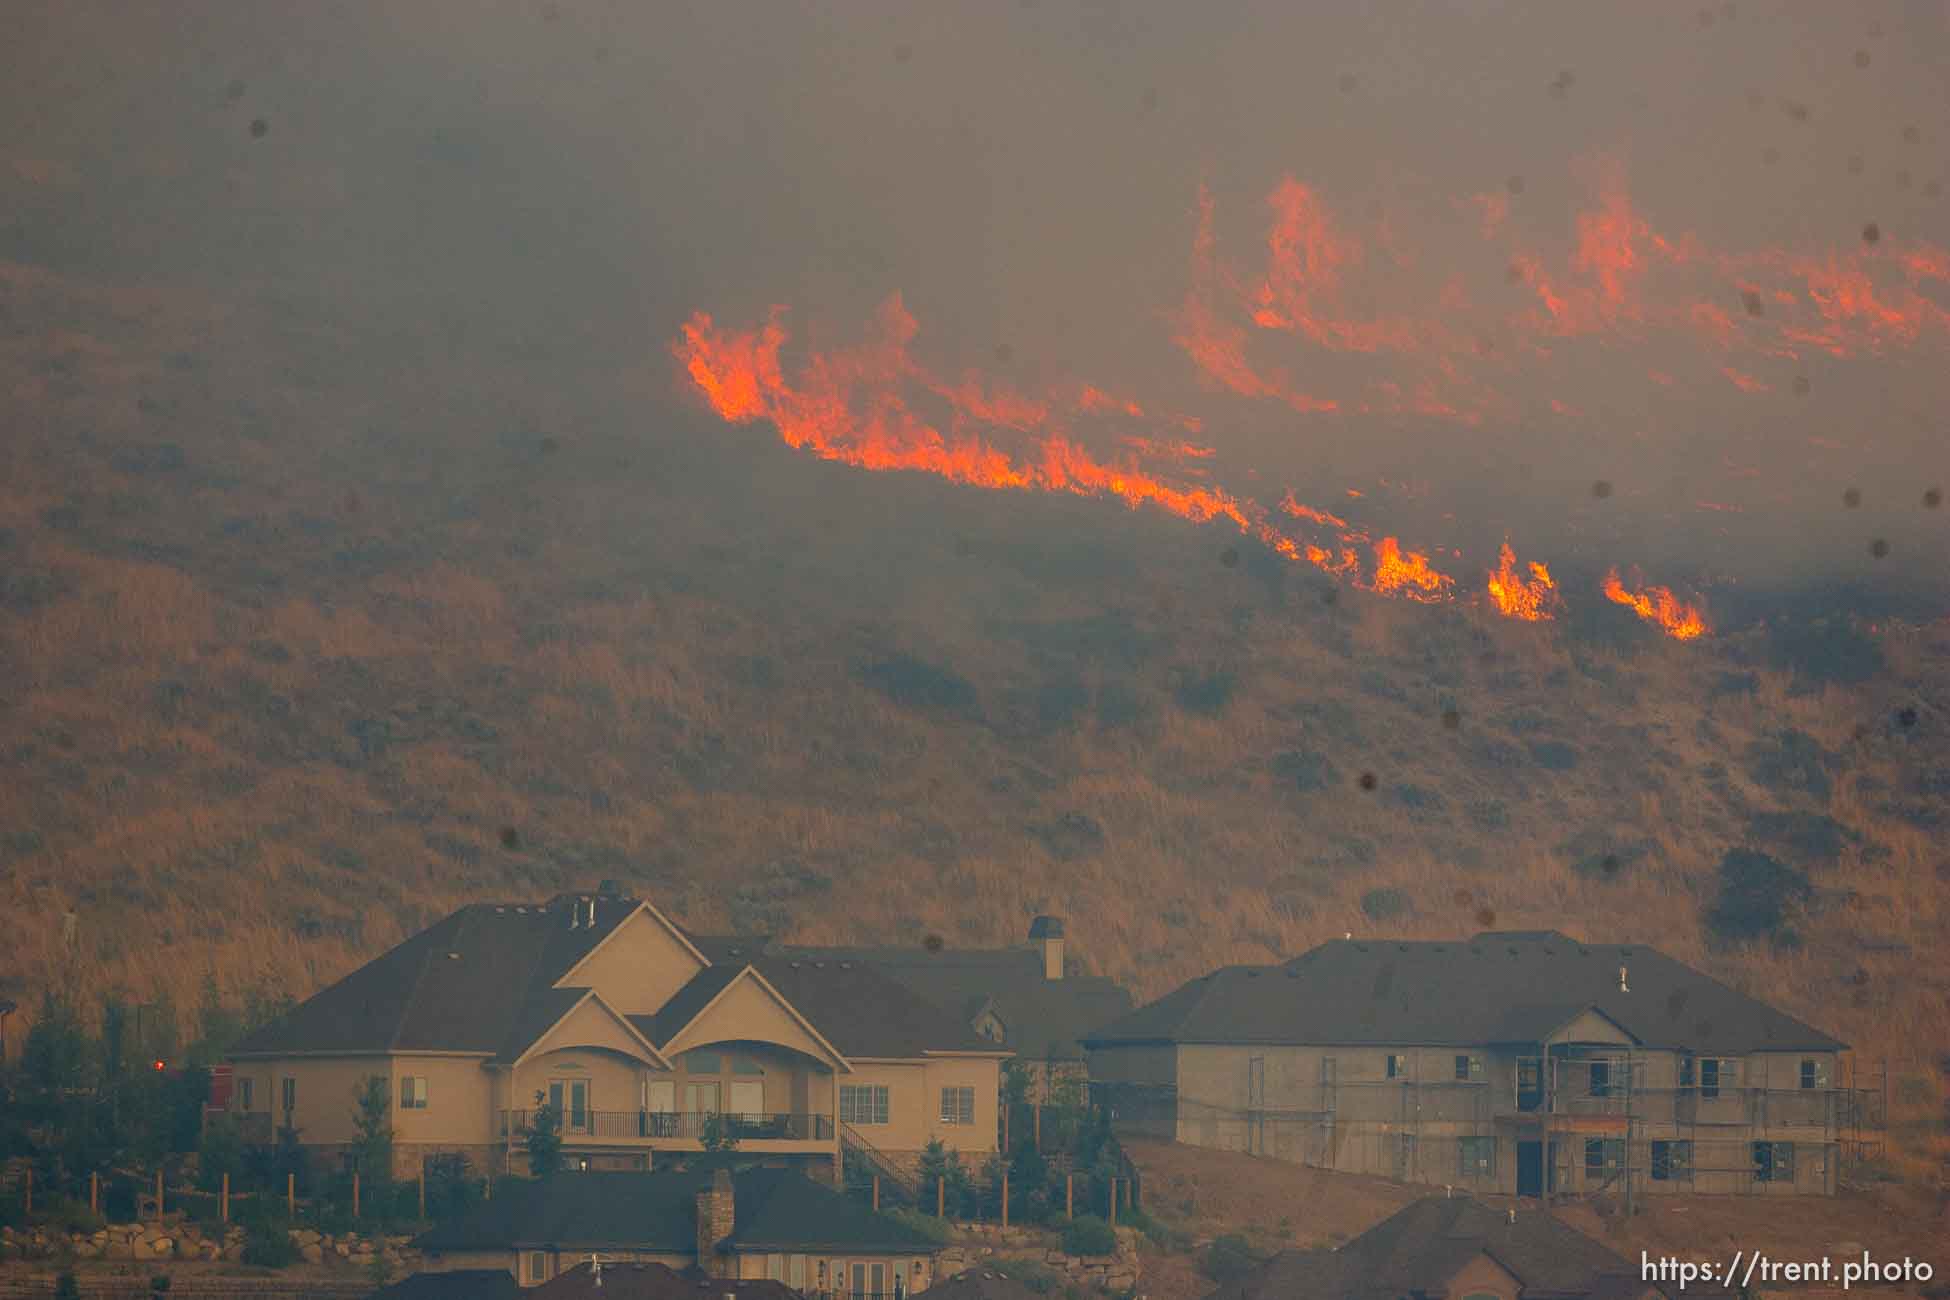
(567,182)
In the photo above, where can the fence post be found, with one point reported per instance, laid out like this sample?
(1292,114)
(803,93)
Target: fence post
(159,1197)
(94,1193)
(940,1195)
(1005,1198)
(1069,1196)
(876,1191)
(1037,1115)
(291,1196)
(423,1185)
(355,1193)
(224,1198)
(30,1189)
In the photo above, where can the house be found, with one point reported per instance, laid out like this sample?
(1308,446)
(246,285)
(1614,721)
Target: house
(1518,1062)
(604,1008)
(610,1281)
(753,1223)
(1451,1246)
(1033,998)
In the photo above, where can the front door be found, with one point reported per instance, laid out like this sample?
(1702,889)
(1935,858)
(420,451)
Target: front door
(869,1280)
(1530,1169)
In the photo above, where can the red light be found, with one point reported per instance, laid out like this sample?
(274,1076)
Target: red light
(160,1065)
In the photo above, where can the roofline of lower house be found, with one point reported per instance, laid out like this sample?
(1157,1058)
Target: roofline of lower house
(267,1055)
(1098,1044)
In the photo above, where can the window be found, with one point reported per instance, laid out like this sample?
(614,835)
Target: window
(748,1099)
(703,1063)
(1601,1078)
(1709,1077)
(1773,1162)
(412,1092)
(537,1266)
(1476,1157)
(1672,1162)
(1685,1069)
(957,1105)
(1397,1066)
(244,1091)
(290,1094)
(746,1065)
(1603,1156)
(795,1272)
(775,1267)
(863,1103)
(1469,1068)
(1814,1074)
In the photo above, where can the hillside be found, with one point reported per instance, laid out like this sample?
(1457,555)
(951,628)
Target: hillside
(310,631)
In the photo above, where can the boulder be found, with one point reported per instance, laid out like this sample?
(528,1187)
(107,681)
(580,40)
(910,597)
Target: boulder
(303,1236)
(311,1252)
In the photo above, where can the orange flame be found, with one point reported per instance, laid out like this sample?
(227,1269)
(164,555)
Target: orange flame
(1408,573)
(1529,599)
(1658,605)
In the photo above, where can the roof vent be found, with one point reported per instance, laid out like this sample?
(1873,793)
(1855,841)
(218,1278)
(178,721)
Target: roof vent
(794,965)
(453,956)
(818,965)
(610,889)
(1401,947)
(499,910)
(521,911)
(846,965)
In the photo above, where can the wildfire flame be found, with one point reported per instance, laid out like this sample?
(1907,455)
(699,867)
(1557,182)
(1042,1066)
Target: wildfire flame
(1658,605)
(861,407)
(1532,599)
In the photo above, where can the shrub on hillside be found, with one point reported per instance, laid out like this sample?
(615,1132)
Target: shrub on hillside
(1306,769)
(1553,755)
(1206,691)
(1756,893)
(1804,836)
(1089,1235)
(268,1245)
(917,684)
(1228,1258)
(1790,760)
(1825,650)
(1384,904)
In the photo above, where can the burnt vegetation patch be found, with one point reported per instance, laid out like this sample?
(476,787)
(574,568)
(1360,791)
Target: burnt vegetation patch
(1758,897)
(914,683)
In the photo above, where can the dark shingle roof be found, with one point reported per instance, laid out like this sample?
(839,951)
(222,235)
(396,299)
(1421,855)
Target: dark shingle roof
(982,1283)
(1478,991)
(455,1284)
(776,1209)
(461,985)
(1420,1248)
(655,1282)
(481,980)
(1042,1018)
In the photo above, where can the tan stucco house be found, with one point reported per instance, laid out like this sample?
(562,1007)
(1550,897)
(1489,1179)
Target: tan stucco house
(1520,1062)
(615,1015)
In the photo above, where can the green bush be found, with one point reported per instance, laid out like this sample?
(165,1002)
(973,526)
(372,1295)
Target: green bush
(935,1230)
(70,1215)
(267,1245)
(1158,1233)
(1089,1235)
(1228,1259)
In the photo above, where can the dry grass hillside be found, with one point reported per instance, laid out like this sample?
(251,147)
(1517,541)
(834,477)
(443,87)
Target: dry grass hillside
(310,630)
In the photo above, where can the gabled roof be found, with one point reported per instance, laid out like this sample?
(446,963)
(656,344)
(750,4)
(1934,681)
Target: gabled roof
(1417,1250)
(483,981)
(1044,1018)
(775,1209)
(713,986)
(454,1284)
(1482,990)
(460,985)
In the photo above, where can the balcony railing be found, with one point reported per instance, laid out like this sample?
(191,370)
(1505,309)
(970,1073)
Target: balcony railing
(619,1125)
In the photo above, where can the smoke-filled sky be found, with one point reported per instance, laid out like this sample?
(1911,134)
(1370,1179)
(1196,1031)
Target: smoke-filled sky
(1467,261)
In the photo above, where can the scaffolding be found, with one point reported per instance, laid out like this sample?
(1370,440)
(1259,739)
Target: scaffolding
(1573,1120)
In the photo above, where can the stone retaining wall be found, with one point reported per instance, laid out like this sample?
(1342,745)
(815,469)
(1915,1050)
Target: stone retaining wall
(184,1240)
(978,1246)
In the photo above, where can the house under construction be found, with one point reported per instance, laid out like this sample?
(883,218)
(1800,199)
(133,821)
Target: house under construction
(1517,1062)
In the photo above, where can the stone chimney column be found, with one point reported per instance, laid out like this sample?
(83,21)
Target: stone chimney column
(716,1217)
(1048,931)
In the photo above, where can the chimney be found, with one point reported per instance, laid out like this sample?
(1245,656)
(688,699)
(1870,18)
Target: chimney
(716,1215)
(1048,930)
(1622,986)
